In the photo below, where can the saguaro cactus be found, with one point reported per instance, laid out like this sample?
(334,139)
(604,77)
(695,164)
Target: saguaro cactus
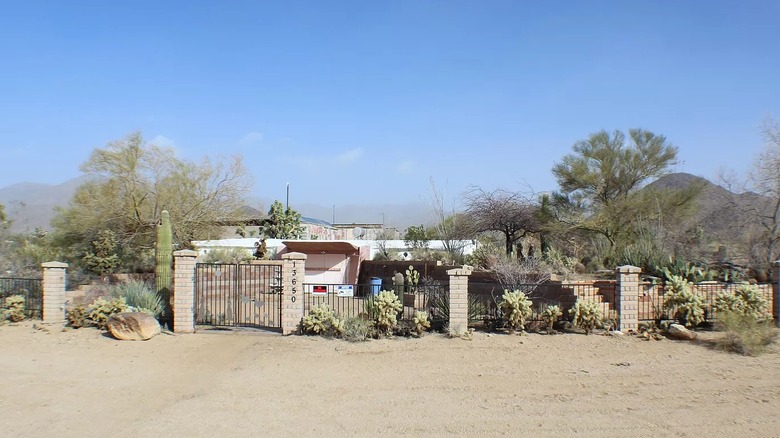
(164,261)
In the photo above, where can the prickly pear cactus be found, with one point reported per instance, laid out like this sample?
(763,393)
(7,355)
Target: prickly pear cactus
(412,278)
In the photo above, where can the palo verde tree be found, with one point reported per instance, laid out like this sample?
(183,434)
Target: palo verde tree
(282,223)
(508,213)
(603,173)
(133,183)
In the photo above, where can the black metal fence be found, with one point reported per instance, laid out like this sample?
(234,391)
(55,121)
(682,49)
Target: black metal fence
(356,300)
(484,298)
(652,299)
(30,288)
(248,295)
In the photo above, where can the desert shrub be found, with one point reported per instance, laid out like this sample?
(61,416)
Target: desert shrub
(745,334)
(139,296)
(321,320)
(439,304)
(550,314)
(101,309)
(421,322)
(746,300)
(586,315)
(385,311)
(77,316)
(515,309)
(358,329)
(14,308)
(688,307)
(232,255)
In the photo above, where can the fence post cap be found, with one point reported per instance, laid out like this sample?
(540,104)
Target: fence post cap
(185,253)
(628,269)
(465,270)
(294,256)
(54,265)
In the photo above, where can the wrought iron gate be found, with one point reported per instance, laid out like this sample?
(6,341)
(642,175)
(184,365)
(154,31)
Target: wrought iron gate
(239,295)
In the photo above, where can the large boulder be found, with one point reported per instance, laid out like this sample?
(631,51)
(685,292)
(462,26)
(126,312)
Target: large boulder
(677,331)
(133,326)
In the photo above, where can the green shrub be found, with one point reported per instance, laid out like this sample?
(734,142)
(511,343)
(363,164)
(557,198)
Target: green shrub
(688,307)
(139,296)
(386,306)
(232,255)
(586,315)
(550,314)
(14,308)
(101,309)
(358,329)
(515,309)
(746,300)
(321,320)
(745,334)
(77,316)
(421,322)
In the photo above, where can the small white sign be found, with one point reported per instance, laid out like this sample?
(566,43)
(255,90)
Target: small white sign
(345,290)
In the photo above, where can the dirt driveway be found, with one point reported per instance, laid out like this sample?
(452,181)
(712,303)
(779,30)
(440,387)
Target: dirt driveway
(81,383)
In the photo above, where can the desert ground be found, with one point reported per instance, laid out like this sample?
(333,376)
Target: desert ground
(83,383)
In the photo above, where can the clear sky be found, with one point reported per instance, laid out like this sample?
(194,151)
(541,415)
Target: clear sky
(365,101)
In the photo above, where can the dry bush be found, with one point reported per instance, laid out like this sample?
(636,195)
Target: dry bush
(744,334)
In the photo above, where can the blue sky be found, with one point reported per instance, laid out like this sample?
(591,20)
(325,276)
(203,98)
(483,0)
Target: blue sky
(365,101)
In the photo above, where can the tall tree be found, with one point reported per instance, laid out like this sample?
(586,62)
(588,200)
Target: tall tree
(764,179)
(283,223)
(134,182)
(602,175)
(509,213)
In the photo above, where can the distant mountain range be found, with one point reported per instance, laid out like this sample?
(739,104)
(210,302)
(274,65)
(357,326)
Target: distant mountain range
(31,205)
(719,211)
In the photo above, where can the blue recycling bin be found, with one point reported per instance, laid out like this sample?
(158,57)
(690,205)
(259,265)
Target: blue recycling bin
(376,285)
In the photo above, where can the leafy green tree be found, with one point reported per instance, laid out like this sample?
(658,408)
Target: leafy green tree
(103,256)
(417,237)
(599,181)
(134,182)
(283,224)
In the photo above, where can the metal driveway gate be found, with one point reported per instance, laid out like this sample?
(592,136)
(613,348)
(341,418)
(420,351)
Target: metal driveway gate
(239,295)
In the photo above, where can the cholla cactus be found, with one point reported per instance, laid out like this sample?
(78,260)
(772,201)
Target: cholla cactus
(586,315)
(746,300)
(321,320)
(551,314)
(688,306)
(15,308)
(421,322)
(386,307)
(515,309)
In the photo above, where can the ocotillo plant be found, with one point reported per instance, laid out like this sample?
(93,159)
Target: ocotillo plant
(164,262)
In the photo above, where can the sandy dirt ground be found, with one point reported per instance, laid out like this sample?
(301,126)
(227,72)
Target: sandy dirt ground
(82,383)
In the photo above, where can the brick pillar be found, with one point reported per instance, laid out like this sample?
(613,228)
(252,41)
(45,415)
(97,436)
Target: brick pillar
(627,296)
(459,298)
(54,292)
(776,294)
(293,268)
(183,300)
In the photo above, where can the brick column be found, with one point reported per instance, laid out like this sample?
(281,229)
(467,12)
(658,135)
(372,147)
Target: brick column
(459,298)
(293,268)
(776,294)
(54,292)
(627,296)
(183,300)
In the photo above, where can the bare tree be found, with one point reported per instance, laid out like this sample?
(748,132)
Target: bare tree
(450,226)
(508,213)
(764,180)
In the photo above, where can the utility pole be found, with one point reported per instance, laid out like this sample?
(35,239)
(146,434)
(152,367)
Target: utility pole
(287,206)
